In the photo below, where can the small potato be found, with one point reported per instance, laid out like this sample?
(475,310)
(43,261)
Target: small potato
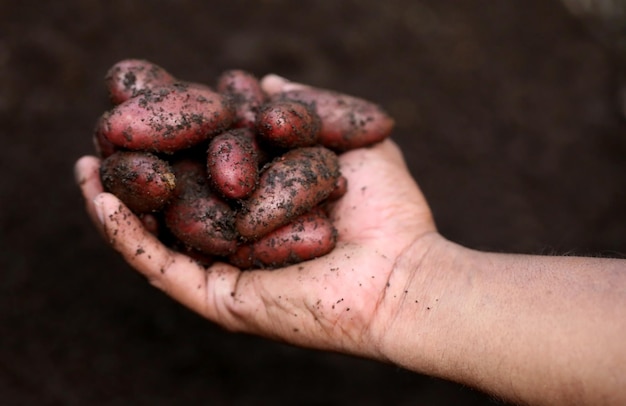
(232,164)
(291,185)
(245,91)
(141,180)
(288,124)
(196,216)
(347,122)
(309,236)
(167,119)
(129,77)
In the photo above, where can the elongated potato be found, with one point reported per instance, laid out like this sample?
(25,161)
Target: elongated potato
(291,185)
(129,77)
(196,216)
(348,122)
(167,119)
(309,236)
(141,180)
(288,124)
(232,164)
(245,91)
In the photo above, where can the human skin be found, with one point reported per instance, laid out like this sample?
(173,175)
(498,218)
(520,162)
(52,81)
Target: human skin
(526,329)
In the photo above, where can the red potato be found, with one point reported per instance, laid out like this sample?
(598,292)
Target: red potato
(232,164)
(129,77)
(309,236)
(167,119)
(348,122)
(245,91)
(291,185)
(141,180)
(288,124)
(197,217)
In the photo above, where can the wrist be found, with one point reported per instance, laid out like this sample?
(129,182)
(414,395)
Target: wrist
(420,308)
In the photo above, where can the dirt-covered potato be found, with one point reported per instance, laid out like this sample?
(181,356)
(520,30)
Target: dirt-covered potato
(198,217)
(141,180)
(246,94)
(309,236)
(291,185)
(232,164)
(288,124)
(129,77)
(167,119)
(348,122)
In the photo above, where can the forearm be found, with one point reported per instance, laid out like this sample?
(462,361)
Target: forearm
(529,329)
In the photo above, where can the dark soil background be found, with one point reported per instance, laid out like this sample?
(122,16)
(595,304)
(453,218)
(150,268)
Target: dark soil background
(506,112)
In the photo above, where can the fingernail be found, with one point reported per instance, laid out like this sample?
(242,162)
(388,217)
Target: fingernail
(97,204)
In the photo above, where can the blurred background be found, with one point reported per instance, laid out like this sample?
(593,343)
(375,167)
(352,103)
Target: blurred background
(509,114)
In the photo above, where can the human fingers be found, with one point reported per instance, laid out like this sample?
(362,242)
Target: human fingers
(205,291)
(87,175)
(326,303)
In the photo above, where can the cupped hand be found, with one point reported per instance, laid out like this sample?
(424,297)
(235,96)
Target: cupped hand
(335,302)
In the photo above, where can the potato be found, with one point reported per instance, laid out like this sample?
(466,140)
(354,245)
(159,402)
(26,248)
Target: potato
(309,236)
(167,119)
(288,124)
(129,77)
(245,91)
(196,216)
(232,164)
(348,122)
(291,185)
(141,180)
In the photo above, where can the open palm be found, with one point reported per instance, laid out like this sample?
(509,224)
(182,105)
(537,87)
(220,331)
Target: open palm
(333,302)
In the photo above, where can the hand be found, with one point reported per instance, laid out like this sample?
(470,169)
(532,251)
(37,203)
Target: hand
(336,302)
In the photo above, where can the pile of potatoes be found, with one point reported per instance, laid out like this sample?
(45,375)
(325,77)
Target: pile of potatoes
(231,173)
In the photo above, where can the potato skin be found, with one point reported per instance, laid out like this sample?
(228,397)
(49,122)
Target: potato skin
(232,164)
(347,122)
(290,185)
(288,124)
(129,77)
(246,94)
(196,216)
(309,236)
(167,119)
(144,182)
